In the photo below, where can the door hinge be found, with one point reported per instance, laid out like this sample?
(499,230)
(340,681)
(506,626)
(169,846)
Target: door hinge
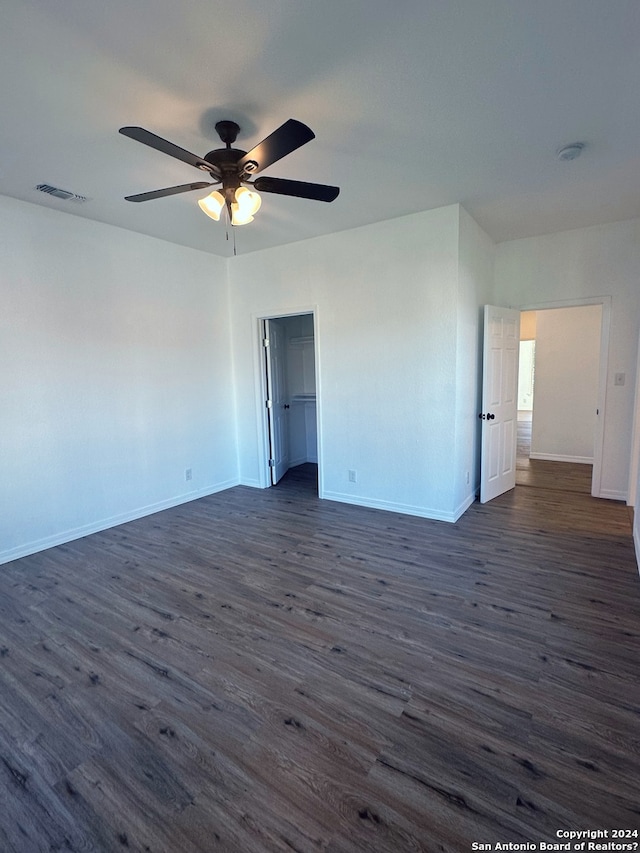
(265,342)
(269,404)
(272,463)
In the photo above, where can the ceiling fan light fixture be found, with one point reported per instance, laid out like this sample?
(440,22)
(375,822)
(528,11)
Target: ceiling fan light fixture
(245,205)
(212,204)
(239,218)
(229,168)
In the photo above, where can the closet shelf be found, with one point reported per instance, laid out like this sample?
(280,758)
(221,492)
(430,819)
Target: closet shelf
(301,342)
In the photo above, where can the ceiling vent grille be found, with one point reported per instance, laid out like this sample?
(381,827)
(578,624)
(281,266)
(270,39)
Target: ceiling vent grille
(56,192)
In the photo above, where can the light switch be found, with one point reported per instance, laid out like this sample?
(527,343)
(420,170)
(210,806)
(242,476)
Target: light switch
(618,379)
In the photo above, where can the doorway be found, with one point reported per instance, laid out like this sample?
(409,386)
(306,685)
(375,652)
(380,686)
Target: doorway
(560,402)
(288,380)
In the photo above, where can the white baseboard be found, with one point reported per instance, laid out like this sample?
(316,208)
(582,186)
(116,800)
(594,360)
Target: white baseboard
(390,506)
(302,460)
(253,483)
(611,495)
(558,457)
(293,463)
(464,506)
(65,536)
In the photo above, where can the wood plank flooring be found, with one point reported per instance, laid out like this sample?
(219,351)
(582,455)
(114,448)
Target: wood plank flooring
(265,672)
(564,476)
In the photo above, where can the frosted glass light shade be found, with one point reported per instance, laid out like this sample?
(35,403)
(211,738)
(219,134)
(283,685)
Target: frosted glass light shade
(212,204)
(246,204)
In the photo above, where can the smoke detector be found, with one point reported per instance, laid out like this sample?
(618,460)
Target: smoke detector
(570,152)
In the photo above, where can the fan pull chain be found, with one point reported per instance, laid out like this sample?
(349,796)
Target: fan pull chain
(227,222)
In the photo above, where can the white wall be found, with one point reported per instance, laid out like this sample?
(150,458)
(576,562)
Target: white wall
(566,383)
(115,376)
(386,304)
(589,262)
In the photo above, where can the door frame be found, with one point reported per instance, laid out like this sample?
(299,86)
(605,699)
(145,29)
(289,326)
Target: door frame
(276,385)
(605,328)
(632,490)
(261,390)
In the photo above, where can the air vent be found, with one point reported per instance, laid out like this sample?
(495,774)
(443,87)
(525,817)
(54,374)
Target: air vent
(58,193)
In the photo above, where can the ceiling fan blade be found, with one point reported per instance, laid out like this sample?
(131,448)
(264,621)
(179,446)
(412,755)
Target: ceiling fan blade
(289,136)
(299,189)
(183,188)
(139,134)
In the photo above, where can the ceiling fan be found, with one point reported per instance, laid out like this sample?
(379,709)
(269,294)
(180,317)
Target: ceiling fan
(231,168)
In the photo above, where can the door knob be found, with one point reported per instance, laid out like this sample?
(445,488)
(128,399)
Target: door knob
(490,417)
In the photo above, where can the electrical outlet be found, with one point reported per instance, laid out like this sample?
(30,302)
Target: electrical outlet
(353,476)
(188,474)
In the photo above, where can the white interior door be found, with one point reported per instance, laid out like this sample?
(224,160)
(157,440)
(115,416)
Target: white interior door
(499,401)
(277,403)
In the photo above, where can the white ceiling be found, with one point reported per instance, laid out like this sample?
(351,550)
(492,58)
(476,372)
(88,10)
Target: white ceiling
(415,104)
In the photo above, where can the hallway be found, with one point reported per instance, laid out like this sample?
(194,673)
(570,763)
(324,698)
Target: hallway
(540,473)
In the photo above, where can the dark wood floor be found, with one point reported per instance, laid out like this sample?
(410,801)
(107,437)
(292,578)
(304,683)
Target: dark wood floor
(565,476)
(264,671)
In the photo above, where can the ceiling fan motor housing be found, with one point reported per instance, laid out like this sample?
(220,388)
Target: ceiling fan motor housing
(227,131)
(226,160)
